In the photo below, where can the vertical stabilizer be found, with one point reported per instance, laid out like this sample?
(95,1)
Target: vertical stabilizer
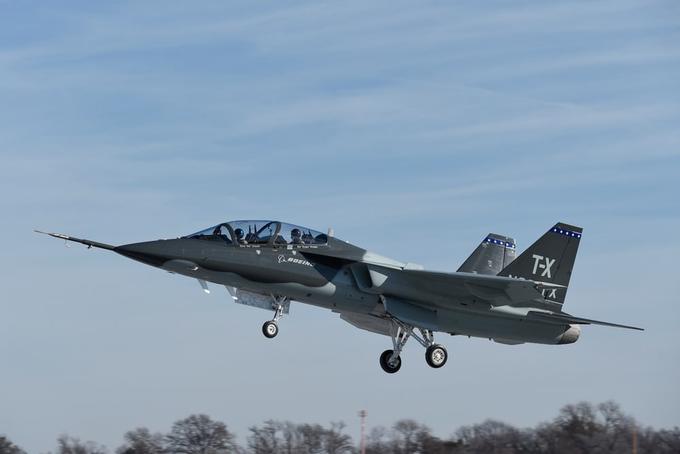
(493,254)
(550,260)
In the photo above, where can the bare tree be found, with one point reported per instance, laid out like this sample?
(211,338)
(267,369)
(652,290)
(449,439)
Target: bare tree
(577,425)
(616,429)
(70,445)
(493,437)
(659,441)
(7,447)
(579,428)
(377,441)
(263,440)
(289,437)
(336,442)
(406,436)
(198,434)
(310,438)
(142,441)
(284,437)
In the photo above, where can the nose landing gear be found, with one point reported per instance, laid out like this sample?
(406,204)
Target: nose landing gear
(271,327)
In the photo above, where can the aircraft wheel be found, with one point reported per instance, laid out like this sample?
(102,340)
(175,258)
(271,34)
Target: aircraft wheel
(386,366)
(270,329)
(436,356)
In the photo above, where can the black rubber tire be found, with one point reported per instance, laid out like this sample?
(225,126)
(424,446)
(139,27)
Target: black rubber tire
(386,366)
(436,356)
(270,329)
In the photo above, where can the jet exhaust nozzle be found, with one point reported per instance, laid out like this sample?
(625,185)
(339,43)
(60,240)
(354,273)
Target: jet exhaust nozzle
(571,335)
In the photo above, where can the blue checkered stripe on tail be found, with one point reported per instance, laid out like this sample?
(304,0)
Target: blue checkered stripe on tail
(506,244)
(565,232)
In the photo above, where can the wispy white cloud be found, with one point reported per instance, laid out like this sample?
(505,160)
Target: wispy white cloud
(563,121)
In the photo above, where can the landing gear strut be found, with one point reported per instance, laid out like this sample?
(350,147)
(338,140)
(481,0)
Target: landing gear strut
(271,327)
(390,360)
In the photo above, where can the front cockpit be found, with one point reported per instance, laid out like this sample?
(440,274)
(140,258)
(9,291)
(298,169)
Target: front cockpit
(260,233)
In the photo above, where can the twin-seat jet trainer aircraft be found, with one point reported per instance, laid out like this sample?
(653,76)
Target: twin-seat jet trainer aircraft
(268,264)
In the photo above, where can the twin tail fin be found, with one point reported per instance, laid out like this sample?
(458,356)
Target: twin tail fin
(494,253)
(549,260)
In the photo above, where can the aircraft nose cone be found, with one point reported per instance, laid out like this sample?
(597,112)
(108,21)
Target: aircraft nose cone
(153,253)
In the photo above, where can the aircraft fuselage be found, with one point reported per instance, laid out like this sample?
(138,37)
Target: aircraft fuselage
(331,285)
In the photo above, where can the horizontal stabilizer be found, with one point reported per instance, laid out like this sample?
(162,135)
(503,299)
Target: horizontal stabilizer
(566,318)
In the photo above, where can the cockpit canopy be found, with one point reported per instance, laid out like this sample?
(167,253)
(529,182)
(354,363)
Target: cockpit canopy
(261,233)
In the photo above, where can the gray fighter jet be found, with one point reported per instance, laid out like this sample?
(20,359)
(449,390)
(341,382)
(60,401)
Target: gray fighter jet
(268,264)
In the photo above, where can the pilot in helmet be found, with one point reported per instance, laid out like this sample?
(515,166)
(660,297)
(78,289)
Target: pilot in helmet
(239,236)
(296,236)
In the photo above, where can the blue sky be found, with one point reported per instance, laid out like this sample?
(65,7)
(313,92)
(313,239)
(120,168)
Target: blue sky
(412,129)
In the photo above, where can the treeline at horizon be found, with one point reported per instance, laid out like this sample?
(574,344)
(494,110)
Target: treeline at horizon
(578,428)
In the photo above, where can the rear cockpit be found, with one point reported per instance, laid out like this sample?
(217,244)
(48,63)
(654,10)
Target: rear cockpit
(260,233)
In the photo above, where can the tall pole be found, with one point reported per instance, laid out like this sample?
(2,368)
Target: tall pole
(362,442)
(635,440)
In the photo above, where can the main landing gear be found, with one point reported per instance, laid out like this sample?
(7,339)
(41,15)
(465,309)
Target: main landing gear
(435,354)
(271,327)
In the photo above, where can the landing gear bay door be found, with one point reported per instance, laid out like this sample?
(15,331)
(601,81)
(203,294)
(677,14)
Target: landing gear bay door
(267,302)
